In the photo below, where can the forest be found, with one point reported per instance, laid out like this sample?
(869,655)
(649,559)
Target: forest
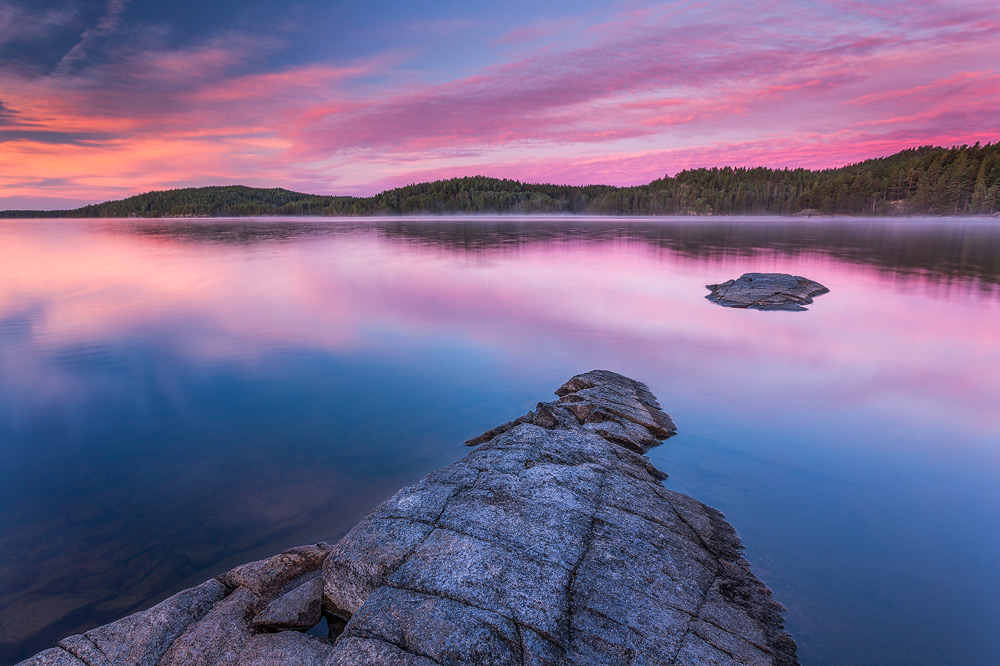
(962,180)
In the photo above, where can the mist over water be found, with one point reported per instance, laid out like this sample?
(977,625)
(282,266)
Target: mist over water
(178,397)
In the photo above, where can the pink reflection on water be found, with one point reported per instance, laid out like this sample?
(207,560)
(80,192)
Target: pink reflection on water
(873,344)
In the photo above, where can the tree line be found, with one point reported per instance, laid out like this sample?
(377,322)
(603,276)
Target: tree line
(962,180)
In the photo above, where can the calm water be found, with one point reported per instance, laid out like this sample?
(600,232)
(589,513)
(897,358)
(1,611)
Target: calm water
(177,397)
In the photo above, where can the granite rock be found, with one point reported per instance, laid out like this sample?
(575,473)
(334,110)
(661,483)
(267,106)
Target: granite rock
(766,291)
(553,542)
(53,657)
(142,638)
(286,648)
(298,608)
(278,573)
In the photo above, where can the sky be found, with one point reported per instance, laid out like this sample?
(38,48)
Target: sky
(101,99)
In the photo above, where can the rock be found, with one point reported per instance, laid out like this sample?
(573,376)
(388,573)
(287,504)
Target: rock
(142,638)
(500,429)
(53,657)
(616,407)
(809,212)
(265,577)
(553,542)
(284,649)
(219,637)
(84,649)
(766,291)
(297,609)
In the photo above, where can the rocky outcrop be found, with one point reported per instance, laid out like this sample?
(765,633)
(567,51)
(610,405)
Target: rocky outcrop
(553,542)
(766,291)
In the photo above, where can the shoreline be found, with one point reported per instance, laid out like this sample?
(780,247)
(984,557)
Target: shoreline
(805,221)
(554,541)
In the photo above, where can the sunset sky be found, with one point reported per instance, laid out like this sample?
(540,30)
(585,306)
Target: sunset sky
(100,99)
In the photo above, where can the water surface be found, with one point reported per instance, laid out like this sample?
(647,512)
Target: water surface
(178,396)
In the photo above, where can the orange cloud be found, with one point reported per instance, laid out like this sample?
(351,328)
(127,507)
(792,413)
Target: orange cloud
(646,92)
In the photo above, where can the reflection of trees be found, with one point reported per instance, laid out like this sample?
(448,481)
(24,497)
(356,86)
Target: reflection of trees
(948,251)
(234,232)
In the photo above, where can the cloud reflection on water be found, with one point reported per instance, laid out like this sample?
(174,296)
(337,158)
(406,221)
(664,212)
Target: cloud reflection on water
(190,393)
(220,292)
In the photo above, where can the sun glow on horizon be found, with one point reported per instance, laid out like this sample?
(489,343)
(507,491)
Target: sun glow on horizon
(112,98)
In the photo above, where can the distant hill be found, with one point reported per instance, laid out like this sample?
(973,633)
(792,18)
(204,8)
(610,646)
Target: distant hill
(963,180)
(225,201)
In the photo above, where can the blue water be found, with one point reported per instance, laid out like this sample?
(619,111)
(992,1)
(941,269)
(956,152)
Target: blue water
(177,397)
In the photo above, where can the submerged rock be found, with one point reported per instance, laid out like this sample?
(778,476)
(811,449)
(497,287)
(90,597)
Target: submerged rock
(553,542)
(766,291)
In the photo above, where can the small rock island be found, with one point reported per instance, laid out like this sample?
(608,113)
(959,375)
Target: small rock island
(766,291)
(553,542)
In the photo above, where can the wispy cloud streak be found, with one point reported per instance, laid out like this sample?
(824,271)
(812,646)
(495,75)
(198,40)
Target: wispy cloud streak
(615,98)
(105,26)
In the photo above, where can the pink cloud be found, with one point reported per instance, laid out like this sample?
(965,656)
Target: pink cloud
(961,85)
(587,95)
(635,168)
(625,99)
(521,101)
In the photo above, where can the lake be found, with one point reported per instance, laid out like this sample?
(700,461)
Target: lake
(181,396)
